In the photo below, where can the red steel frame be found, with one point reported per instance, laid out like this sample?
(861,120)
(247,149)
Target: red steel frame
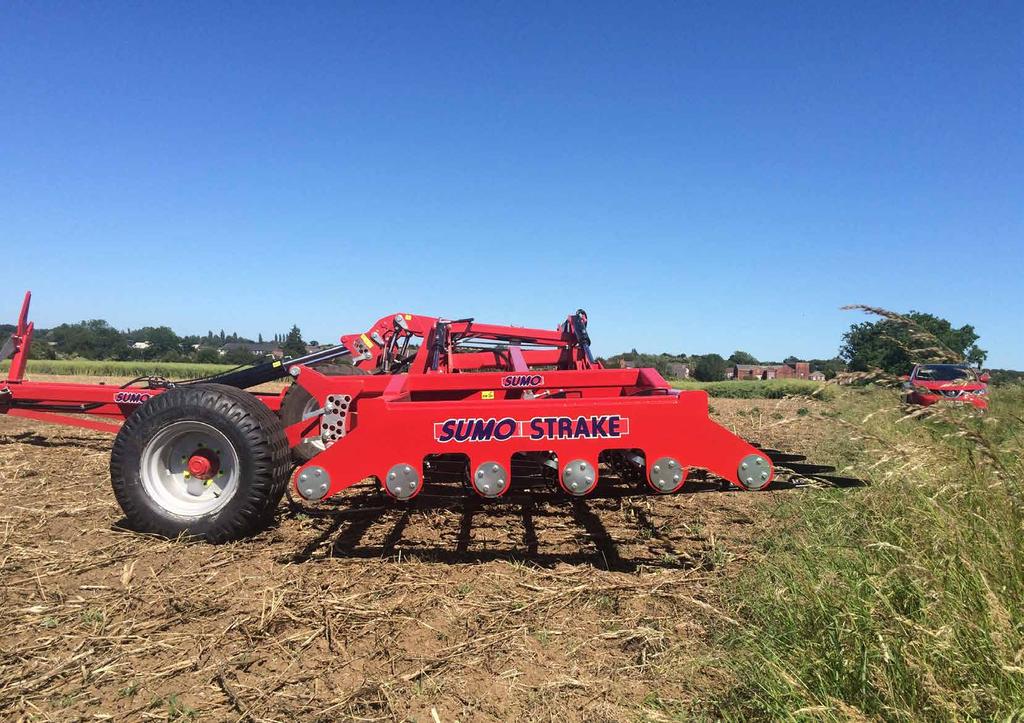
(400,418)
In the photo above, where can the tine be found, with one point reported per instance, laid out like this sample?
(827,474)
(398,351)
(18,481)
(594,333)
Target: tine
(843,481)
(808,468)
(783,457)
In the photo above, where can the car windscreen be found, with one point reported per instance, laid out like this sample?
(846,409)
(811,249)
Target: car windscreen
(944,374)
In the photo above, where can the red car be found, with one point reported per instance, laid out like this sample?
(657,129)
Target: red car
(958,383)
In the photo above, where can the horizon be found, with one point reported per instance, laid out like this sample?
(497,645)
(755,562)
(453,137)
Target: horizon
(309,339)
(694,177)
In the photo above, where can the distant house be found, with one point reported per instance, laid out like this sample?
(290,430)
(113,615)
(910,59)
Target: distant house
(256,348)
(678,370)
(817,376)
(626,364)
(140,345)
(795,370)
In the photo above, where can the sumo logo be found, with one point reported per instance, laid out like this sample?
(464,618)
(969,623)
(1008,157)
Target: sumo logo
(609,426)
(130,397)
(521,381)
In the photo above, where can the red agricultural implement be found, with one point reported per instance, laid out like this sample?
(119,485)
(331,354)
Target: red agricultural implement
(415,402)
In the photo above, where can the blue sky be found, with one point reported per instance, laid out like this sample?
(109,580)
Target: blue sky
(699,177)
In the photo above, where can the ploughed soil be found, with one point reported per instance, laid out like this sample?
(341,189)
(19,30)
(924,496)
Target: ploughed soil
(357,608)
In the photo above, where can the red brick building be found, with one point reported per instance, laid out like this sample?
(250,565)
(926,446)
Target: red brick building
(796,370)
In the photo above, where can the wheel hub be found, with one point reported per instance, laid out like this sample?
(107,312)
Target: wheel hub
(203,464)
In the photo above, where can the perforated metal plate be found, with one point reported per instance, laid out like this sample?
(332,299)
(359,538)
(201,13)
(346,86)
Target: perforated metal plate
(332,423)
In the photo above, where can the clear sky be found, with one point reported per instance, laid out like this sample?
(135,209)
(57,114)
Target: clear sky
(698,176)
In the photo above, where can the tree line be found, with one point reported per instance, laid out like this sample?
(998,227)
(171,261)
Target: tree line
(97,339)
(714,367)
(892,344)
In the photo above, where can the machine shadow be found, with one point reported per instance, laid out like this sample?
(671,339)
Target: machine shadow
(365,523)
(39,439)
(369,525)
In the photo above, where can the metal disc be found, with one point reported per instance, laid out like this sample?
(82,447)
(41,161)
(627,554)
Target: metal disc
(490,479)
(314,482)
(754,472)
(667,475)
(402,481)
(579,477)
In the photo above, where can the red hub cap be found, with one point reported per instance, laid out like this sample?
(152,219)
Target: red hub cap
(203,464)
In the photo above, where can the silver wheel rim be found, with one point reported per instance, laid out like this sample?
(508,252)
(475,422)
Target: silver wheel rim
(317,442)
(165,474)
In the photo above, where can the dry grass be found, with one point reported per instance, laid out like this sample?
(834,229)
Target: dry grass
(902,601)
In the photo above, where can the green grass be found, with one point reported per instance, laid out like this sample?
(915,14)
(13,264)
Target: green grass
(899,601)
(767,389)
(88,367)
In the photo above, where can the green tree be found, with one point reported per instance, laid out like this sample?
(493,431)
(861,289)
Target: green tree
(162,341)
(293,344)
(742,357)
(895,343)
(207,355)
(241,355)
(829,367)
(41,350)
(94,339)
(709,368)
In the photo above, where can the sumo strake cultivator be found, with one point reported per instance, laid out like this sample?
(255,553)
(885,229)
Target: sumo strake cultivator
(421,404)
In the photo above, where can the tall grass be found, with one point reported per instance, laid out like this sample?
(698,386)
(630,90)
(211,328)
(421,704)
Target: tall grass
(88,367)
(903,600)
(764,389)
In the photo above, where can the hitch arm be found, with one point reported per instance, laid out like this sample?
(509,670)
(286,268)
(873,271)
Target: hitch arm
(269,371)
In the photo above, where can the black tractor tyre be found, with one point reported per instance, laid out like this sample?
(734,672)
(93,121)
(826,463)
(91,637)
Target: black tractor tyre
(297,403)
(339,370)
(249,464)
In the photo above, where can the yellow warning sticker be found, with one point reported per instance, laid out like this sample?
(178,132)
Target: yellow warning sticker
(487,395)
(367,341)
(276,364)
(408,317)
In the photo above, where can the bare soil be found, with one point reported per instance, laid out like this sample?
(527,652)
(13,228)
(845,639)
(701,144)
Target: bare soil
(357,609)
